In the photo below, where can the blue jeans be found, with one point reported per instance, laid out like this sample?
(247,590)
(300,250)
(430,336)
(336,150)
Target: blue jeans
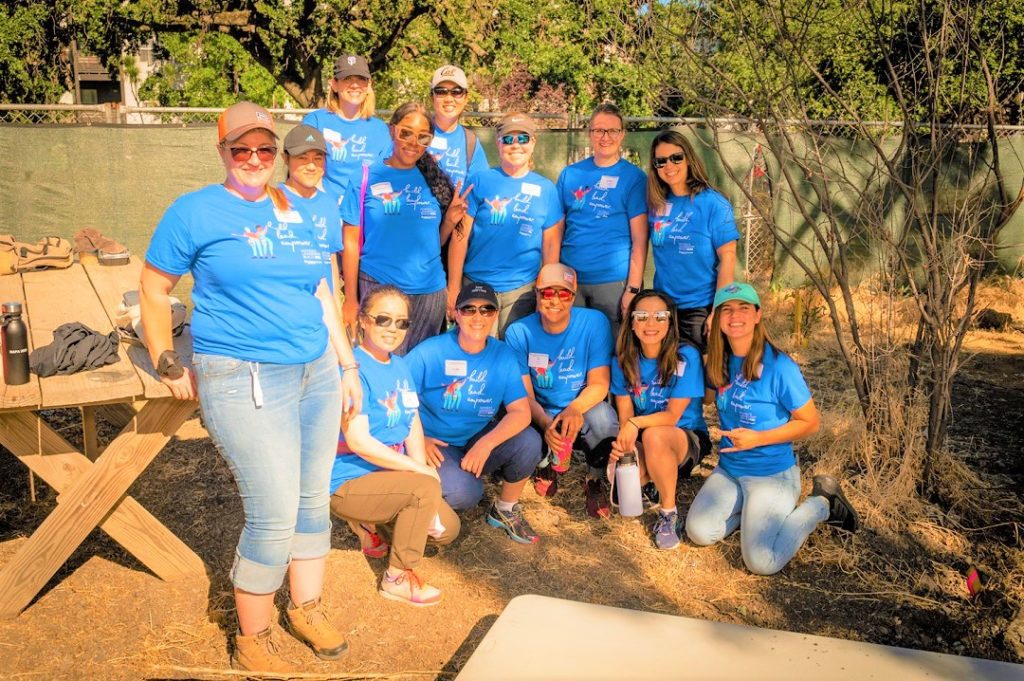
(513,460)
(276,425)
(772,527)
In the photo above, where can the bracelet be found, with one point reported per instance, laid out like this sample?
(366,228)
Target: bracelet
(631,422)
(349,367)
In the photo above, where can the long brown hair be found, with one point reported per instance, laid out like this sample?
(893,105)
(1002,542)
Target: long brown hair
(696,177)
(628,350)
(719,351)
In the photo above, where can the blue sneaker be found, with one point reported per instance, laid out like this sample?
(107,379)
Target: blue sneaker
(513,523)
(667,530)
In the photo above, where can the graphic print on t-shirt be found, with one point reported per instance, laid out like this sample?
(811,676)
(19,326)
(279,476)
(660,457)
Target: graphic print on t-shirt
(453,395)
(499,209)
(580,194)
(259,242)
(639,395)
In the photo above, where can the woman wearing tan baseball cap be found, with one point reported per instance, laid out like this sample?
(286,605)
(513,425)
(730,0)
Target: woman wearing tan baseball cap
(267,347)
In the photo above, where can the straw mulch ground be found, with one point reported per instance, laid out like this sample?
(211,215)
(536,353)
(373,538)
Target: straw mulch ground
(897,582)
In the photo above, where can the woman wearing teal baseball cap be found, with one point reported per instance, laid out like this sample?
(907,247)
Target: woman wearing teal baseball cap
(764,405)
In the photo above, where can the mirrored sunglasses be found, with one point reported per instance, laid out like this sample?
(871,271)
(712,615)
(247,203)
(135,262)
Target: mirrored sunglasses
(642,316)
(562,294)
(518,138)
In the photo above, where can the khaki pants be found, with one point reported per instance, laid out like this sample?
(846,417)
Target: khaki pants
(409,499)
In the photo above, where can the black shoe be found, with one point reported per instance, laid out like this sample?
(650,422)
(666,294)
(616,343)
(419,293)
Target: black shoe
(649,493)
(840,511)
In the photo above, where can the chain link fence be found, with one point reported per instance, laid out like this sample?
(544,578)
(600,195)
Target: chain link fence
(115,158)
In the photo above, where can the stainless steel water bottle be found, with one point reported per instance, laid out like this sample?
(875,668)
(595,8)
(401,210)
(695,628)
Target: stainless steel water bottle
(627,486)
(14,339)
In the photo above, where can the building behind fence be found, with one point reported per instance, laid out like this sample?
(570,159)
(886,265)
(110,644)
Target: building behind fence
(117,168)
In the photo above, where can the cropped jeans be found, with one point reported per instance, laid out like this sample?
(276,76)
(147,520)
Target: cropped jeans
(513,460)
(276,425)
(763,507)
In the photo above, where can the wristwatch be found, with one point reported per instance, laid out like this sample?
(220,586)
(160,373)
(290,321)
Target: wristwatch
(633,289)
(169,365)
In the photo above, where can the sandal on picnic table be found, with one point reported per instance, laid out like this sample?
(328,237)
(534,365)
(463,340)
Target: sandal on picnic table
(108,251)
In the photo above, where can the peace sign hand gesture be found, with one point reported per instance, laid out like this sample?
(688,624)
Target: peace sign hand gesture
(457,208)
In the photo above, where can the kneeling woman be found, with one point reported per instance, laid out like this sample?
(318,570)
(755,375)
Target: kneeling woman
(476,414)
(381,472)
(658,385)
(764,405)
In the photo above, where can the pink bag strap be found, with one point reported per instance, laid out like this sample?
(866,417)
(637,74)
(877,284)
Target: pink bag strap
(362,206)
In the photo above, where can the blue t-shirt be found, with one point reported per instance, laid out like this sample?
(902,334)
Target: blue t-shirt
(323,209)
(402,230)
(651,397)
(558,363)
(599,203)
(685,238)
(762,404)
(256,270)
(390,404)
(510,216)
(350,144)
(449,150)
(460,393)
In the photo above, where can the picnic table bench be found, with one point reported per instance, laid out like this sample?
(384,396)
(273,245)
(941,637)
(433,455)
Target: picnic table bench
(92,485)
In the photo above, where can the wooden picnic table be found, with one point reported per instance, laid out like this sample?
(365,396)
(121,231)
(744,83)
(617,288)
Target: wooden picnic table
(92,485)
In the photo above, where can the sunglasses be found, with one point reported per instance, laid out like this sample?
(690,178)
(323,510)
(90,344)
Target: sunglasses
(601,132)
(243,154)
(456,92)
(660,316)
(662,161)
(384,321)
(521,138)
(563,294)
(421,138)
(484,310)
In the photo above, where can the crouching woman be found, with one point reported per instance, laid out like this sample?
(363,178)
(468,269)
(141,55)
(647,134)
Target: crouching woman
(764,405)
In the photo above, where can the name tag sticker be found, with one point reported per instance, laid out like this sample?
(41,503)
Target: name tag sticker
(332,135)
(681,368)
(439,143)
(608,182)
(289,216)
(410,400)
(379,188)
(455,367)
(537,360)
(666,211)
(530,189)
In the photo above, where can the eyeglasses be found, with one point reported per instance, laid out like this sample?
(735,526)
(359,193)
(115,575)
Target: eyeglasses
(521,138)
(421,138)
(661,316)
(601,132)
(662,161)
(243,154)
(484,310)
(384,321)
(456,92)
(563,294)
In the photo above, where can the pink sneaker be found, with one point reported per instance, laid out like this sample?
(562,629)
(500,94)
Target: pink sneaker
(409,588)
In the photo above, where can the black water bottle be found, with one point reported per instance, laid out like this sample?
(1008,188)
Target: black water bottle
(14,338)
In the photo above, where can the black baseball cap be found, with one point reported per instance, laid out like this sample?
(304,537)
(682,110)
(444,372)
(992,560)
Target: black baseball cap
(476,291)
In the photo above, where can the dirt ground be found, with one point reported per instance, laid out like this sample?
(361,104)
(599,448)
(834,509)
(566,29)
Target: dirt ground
(105,616)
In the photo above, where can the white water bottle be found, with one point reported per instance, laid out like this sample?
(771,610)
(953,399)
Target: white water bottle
(627,485)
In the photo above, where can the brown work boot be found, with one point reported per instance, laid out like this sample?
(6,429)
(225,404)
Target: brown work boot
(259,653)
(308,623)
